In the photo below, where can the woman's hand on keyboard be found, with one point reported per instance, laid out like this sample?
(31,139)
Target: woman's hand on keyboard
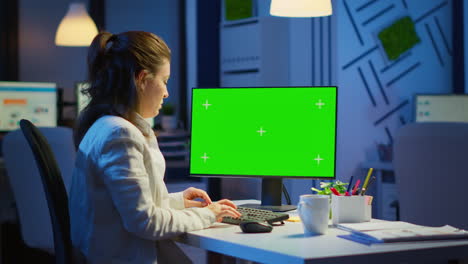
(224,208)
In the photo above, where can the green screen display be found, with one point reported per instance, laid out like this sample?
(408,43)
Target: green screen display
(281,131)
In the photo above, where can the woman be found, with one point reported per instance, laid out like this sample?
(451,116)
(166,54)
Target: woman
(120,209)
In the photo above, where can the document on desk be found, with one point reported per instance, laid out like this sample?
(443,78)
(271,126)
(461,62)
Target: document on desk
(398,231)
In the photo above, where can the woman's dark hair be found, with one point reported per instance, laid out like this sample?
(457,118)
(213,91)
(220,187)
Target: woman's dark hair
(114,61)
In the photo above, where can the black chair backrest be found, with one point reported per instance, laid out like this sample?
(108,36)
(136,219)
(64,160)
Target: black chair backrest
(54,188)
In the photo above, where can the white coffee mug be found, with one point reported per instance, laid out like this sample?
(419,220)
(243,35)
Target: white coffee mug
(314,211)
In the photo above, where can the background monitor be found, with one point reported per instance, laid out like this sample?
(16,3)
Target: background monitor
(268,132)
(441,108)
(34,101)
(82,100)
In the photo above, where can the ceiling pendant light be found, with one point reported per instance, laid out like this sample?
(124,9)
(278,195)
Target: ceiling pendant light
(301,8)
(76,29)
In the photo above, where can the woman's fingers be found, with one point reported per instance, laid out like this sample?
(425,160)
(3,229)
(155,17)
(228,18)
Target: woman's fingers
(205,196)
(193,193)
(222,210)
(227,202)
(227,210)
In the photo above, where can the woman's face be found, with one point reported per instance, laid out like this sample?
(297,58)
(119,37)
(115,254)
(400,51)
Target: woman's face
(152,89)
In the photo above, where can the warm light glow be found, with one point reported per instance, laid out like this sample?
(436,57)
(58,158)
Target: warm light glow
(76,29)
(301,8)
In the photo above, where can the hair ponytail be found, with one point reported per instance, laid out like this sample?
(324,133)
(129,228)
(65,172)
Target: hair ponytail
(113,63)
(97,53)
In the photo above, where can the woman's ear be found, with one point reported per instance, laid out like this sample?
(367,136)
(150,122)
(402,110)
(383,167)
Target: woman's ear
(141,80)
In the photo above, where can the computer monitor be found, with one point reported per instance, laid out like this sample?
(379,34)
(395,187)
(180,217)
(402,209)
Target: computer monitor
(82,100)
(441,108)
(267,132)
(35,101)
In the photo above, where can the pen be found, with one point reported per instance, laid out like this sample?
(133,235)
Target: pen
(334,191)
(356,187)
(366,181)
(349,186)
(363,191)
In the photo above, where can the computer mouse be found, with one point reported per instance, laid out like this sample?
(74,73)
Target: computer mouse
(255,227)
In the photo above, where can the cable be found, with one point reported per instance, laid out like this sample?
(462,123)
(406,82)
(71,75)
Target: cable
(286,195)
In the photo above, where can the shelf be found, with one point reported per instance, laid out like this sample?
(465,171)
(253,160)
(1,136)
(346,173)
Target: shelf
(248,57)
(177,164)
(170,154)
(172,139)
(171,134)
(240,22)
(172,144)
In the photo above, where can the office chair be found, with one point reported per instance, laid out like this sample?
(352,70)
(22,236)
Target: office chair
(431,172)
(46,231)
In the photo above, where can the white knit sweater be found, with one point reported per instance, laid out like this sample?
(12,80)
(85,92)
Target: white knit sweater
(120,209)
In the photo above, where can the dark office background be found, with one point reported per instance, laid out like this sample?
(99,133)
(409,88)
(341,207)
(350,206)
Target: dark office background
(375,93)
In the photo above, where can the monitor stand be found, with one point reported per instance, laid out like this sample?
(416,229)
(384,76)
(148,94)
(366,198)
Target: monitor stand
(272,189)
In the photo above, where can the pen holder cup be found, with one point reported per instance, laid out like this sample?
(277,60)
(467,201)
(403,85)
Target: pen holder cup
(351,209)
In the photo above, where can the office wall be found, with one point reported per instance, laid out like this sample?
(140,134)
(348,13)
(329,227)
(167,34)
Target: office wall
(160,17)
(375,93)
(313,61)
(191,37)
(372,105)
(39,59)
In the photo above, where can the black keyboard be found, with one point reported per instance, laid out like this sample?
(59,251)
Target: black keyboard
(253,214)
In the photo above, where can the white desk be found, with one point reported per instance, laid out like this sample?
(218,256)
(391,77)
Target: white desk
(287,244)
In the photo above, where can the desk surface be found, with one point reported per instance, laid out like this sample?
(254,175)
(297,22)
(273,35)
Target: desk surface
(287,244)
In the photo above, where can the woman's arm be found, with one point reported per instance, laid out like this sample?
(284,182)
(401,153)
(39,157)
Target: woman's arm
(176,200)
(121,162)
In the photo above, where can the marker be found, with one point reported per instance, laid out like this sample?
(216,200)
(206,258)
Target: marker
(356,187)
(366,181)
(363,191)
(349,186)
(334,191)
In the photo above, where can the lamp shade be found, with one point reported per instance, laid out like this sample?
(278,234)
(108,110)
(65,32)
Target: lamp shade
(76,29)
(301,8)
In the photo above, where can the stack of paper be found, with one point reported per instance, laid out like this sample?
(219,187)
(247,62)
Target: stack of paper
(383,232)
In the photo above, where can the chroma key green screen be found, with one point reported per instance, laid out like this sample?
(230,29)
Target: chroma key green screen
(263,132)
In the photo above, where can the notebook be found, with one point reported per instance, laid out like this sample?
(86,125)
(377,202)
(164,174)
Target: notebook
(398,231)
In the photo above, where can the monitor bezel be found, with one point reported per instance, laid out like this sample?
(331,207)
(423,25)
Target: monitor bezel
(77,92)
(267,176)
(40,85)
